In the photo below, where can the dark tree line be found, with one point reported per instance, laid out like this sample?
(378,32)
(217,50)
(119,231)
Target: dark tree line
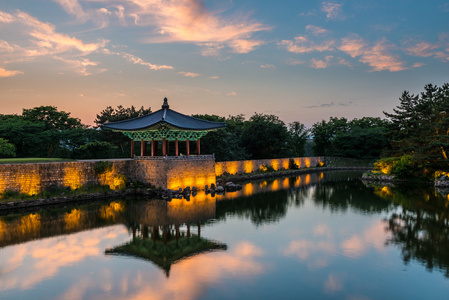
(418,127)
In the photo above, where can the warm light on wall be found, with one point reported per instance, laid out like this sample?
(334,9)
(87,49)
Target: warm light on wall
(248,165)
(275,164)
(297,162)
(29,183)
(285,164)
(307,163)
(218,169)
(112,179)
(73,177)
(232,167)
(298,181)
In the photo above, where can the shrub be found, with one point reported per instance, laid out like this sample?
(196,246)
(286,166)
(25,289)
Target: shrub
(7,149)
(292,165)
(266,168)
(102,167)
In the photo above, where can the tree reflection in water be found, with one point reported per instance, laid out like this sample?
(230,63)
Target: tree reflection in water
(421,227)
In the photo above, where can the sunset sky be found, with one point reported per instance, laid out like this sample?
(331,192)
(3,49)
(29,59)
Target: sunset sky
(300,60)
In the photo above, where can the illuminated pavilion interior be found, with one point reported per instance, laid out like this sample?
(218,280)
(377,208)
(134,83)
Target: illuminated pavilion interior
(165,126)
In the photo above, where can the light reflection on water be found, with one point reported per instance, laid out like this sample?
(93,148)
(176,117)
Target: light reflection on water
(322,235)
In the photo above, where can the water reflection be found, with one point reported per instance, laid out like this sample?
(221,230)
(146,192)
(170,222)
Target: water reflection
(421,227)
(316,234)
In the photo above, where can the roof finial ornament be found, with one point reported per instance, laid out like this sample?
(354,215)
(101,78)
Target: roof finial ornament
(165,105)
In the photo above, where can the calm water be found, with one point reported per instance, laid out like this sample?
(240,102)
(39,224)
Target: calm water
(317,236)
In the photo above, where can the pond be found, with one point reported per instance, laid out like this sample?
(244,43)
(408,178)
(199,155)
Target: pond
(315,236)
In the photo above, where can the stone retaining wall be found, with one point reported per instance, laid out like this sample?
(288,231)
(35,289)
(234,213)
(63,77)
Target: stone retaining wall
(251,166)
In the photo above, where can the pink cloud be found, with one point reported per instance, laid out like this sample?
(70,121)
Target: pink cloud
(137,60)
(332,10)
(377,56)
(7,73)
(321,64)
(316,30)
(189,74)
(268,66)
(302,44)
(422,49)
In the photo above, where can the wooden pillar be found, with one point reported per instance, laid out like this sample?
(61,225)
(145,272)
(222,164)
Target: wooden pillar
(164,147)
(198,147)
(152,147)
(168,147)
(142,148)
(176,148)
(156,148)
(187,148)
(132,148)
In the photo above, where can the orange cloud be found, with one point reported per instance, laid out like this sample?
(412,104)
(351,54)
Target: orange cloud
(377,56)
(316,30)
(139,61)
(6,73)
(321,64)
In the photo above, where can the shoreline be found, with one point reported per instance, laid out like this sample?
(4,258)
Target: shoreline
(11,206)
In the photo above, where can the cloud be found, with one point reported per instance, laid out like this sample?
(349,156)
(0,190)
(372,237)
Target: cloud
(316,30)
(333,283)
(137,60)
(214,77)
(418,65)
(332,10)
(190,21)
(321,64)
(268,66)
(231,94)
(330,104)
(302,44)
(73,8)
(80,65)
(377,56)
(7,73)
(439,50)
(189,74)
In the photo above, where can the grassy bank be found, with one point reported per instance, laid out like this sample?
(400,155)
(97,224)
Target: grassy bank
(26,160)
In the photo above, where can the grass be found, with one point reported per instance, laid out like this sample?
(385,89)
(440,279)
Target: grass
(25,160)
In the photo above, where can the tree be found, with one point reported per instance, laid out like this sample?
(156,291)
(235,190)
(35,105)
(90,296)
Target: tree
(298,138)
(265,136)
(224,142)
(95,149)
(7,149)
(120,113)
(52,118)
(358,138)
(419,127)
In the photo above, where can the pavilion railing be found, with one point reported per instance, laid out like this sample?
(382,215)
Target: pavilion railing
(182,157)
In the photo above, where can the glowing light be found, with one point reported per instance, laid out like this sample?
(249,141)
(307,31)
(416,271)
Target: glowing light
(248,165)
(285,183)
(248,189)
(112,179)
(275,185)
(307,163)
(386,169)
(30,224)
(29,183)
(112,210)
(263,184)
(218,169)
(73,177)
(285,164)
(307,179)
(321,175)
(73,219)
(275,164)
(298,181)
(232,167)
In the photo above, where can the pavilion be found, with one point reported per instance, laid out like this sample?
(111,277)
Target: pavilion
(165,126)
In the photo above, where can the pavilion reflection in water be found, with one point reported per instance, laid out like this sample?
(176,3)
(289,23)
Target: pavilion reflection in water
(157,235)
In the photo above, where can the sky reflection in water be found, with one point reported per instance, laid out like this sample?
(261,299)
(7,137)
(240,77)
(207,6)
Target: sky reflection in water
(315,236)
